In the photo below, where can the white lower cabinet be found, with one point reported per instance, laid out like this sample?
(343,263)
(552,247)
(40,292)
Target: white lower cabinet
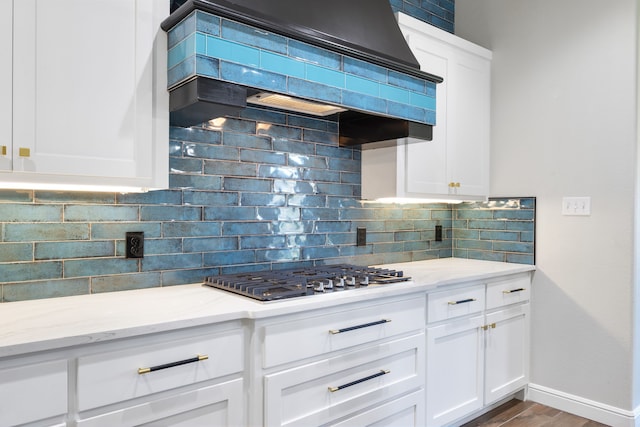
(454,370)
(367,367)
(336,387)
(190,377)
(403,361)
(172,380)
(34,392)
(477,348)
(506,352)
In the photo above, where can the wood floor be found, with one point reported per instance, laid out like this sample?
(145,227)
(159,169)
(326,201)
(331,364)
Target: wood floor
(516,413)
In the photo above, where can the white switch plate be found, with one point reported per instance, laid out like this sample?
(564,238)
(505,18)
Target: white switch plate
(576,206)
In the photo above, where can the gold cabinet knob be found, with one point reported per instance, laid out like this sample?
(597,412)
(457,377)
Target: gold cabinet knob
(24,152)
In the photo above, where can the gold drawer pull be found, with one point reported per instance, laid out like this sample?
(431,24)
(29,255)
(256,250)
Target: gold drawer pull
(514,291)
(198,358)
(492,326)
(353,328)
(3,150)
(24,152)
(462,301)
(361,380)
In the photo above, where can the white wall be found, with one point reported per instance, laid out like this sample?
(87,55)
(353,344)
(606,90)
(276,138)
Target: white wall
(564,124)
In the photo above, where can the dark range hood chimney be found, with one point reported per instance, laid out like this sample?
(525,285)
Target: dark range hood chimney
(365,30)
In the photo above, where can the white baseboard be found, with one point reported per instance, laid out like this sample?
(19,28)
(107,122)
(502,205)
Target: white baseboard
(586,408)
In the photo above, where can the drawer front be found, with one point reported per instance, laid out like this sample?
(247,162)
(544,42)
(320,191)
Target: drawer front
(114,376)
(33,392)
(311,336)
(505,292)
(318,392)
(219,405)
(455,303)
(408,411)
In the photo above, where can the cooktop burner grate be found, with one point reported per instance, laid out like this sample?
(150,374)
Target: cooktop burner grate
(296,282)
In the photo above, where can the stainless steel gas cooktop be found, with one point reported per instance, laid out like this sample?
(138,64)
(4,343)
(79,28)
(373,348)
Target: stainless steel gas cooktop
(297,282)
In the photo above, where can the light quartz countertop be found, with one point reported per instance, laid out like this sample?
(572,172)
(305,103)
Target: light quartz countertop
(48,324)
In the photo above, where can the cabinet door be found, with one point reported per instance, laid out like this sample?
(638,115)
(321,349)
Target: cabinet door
(507,352)
(459,151)
(426,162)
(6,79)
(455,361)
(84,89)
(468,118)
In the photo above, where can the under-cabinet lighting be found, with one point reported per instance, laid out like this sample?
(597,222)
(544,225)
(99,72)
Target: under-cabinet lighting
(407,201)
(72,187)
(293,104)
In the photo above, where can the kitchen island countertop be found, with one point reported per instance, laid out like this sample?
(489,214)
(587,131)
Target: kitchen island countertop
(48,324)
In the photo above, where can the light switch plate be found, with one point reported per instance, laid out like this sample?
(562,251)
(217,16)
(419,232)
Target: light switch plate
(580,206)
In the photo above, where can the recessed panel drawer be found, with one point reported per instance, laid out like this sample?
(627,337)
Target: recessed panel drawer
(455,303)
(120,375)
(326,390)
(33,392)
(299,338)
(505,292)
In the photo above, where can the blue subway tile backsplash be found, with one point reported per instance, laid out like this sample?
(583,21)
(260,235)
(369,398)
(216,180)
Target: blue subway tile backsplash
(245,55)
(248,205)
(264,189)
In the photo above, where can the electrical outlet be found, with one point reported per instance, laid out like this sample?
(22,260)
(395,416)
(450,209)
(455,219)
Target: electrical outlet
(134,244)
(438,233)
(361,236)
(576,206)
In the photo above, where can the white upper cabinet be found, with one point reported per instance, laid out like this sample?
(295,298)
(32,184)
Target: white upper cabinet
(90,104)
(6,76)
(455,164)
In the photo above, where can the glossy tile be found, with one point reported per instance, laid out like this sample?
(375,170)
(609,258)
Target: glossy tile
(253,37)
(15,252)
(30,271)
(125,282)
(273,215)
(35,232)
(44,289)
(252,57)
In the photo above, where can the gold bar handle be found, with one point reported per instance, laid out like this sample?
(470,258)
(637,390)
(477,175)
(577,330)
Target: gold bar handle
(3,150)
(361,380)
(353,328)
(514,291)
(198,358)
(462,301)
(24,152)
(485,327)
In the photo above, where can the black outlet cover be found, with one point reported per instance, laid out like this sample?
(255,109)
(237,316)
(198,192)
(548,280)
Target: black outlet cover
(134,244)
(438,233)
(361,236)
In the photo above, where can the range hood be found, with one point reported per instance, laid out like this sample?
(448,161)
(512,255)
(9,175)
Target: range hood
(346,58)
